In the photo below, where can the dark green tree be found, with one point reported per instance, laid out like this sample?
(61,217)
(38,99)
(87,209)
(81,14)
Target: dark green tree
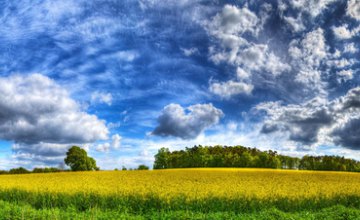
(78,160)
(143,167)
(20,170)
(162,158)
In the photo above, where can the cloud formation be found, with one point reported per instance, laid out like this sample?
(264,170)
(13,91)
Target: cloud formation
(316,121)
(231,28)
(41,117)
(100,97)
(107,146)
(186,123)
(230,88)
(353,9)
(347,134)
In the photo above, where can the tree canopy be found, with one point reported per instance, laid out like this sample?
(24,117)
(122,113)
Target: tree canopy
(78,160)
(239,156)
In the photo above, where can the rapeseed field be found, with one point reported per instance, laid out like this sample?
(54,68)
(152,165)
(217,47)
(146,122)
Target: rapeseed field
(192,183)
(203,190)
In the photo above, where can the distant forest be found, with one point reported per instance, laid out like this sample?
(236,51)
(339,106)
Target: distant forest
(239,156)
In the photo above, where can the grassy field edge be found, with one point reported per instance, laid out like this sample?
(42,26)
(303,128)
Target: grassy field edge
(149,203)
(10,210)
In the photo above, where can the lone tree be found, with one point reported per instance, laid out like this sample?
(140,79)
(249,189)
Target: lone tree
(78,160)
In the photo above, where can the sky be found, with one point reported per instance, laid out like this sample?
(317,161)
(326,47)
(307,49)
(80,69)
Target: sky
(124,78)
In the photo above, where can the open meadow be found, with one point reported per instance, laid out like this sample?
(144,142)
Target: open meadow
(211,193)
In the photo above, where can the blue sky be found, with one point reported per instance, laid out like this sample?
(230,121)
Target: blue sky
(124,78)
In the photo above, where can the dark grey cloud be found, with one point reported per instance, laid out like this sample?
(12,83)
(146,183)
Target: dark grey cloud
(186,123)
(302,122)
(351,100)
(307,122)
(43,149)
(348,134)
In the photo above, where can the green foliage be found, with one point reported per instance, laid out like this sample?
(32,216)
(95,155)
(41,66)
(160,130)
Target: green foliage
(239,156)
(78,160)
(46,170)
(162,158)
(20,170)
(10,210)
(147,206)
(25,211)
(143,167)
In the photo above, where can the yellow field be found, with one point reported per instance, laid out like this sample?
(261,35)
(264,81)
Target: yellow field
(193,183)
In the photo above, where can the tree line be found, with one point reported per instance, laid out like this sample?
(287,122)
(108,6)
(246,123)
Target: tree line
(22,170)
(76,158)
(239,156)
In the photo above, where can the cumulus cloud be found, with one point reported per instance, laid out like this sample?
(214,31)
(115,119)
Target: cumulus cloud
(295,23)
(351,101)
(41,117)
(230,88)
(312,49)
(187,123)
(350,48)
(100,97)
(303,9)
(343,32)
(114,144)
(308,55)
(242,74)
(233,21)
(314,8)
(231,28)
(302,122)
(316,121)
(353,9)
(345,75)
(258,57)
(228,27)
(115,141)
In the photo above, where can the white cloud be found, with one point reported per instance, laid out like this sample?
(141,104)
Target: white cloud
(258,57)
(350,48)
(345,75)
(233,21)
(353,9)
(304,8)
(314,8)
(100,97)
(42,119)
(35,109)
(105,147)
(308,55)
(128,55)
(187,123)
(242,74)
(311,50)
(341,63)
(116,141)
(189,51)
(230,88)
(295,23)
(112,144)
(343,32)
(229,28)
